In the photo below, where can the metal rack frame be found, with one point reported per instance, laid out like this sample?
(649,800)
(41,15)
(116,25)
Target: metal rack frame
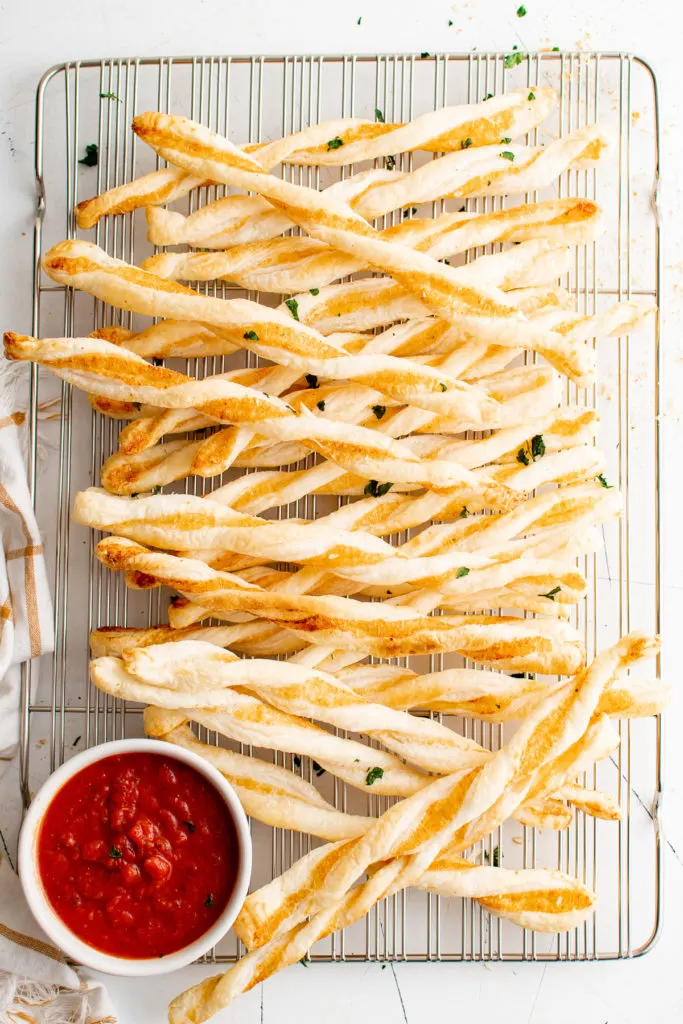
(313,88)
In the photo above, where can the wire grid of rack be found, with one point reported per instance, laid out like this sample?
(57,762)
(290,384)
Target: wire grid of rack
(256,98)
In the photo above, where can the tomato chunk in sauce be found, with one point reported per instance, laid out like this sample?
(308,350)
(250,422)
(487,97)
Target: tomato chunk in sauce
(138,855)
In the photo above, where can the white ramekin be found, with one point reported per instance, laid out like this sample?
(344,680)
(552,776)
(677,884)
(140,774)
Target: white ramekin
(52,925)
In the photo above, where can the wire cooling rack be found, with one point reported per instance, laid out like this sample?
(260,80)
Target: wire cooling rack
(256,98)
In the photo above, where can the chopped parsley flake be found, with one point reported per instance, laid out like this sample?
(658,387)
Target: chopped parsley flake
(603,481)
(293,307)
(506,141)
(304,961)
(311,380)
(114,853)
(379,116)
(379,410)
(551,593)
(425,53)
(373,775)
(335,143)
(511,60)
(488,96)
(444,387)
(495,859)
(466,143)
(390,162)
(109,96)
(321,404)
(556,49)
(359,21)
(156,489)
(462,571)
(531,96)
(521,11)
(532,450)
(465,512)
(507,155)
(450,23)
(91,155)
(375,489)
(251,336)
(314,291)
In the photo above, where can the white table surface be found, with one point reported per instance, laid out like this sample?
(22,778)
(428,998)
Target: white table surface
(34,36)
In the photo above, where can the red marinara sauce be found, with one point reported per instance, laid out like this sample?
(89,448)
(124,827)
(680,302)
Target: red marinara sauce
(138,855)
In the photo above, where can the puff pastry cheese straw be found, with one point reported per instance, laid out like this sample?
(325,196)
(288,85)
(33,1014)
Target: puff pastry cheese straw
(295,264)
(510,114)
(413,833)
(381,629)
(238,219)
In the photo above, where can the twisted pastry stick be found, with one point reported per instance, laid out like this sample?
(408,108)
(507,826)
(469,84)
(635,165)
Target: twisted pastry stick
(524,394)
(415,831)
(356,556)
(436,131)
(381,629)
(284,800)
(279,728)
(491,696)
(332,221)
(296,264)
(560,516)
(362,451)
(236,220)
(267,792)
(292,689)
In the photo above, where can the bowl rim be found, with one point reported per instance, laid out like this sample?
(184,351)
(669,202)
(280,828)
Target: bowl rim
(53,926)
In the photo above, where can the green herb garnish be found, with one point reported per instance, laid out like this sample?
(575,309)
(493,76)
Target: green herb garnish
(488,96)
(444,387)
(511,60)
(156,489)
(373,775)
(551,593)
(466,143)
(109,96)
(506,141)
(335,143)
(425,53)
(495,859)
(462,571)
(314,291)
(375,489)
(251,336)
(293,307)
(304,961)
(379,116)
(531,96)
(114,853)
(521,11)
(507,155)
(556,49)
(465,512)
(91,155)
(532,450)
(379,410)
(602,481)
(390,162)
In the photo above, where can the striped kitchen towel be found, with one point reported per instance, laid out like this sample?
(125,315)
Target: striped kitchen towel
(26,625)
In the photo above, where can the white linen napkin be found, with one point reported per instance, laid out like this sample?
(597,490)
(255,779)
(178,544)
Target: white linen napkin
(37,986)
(25,605)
